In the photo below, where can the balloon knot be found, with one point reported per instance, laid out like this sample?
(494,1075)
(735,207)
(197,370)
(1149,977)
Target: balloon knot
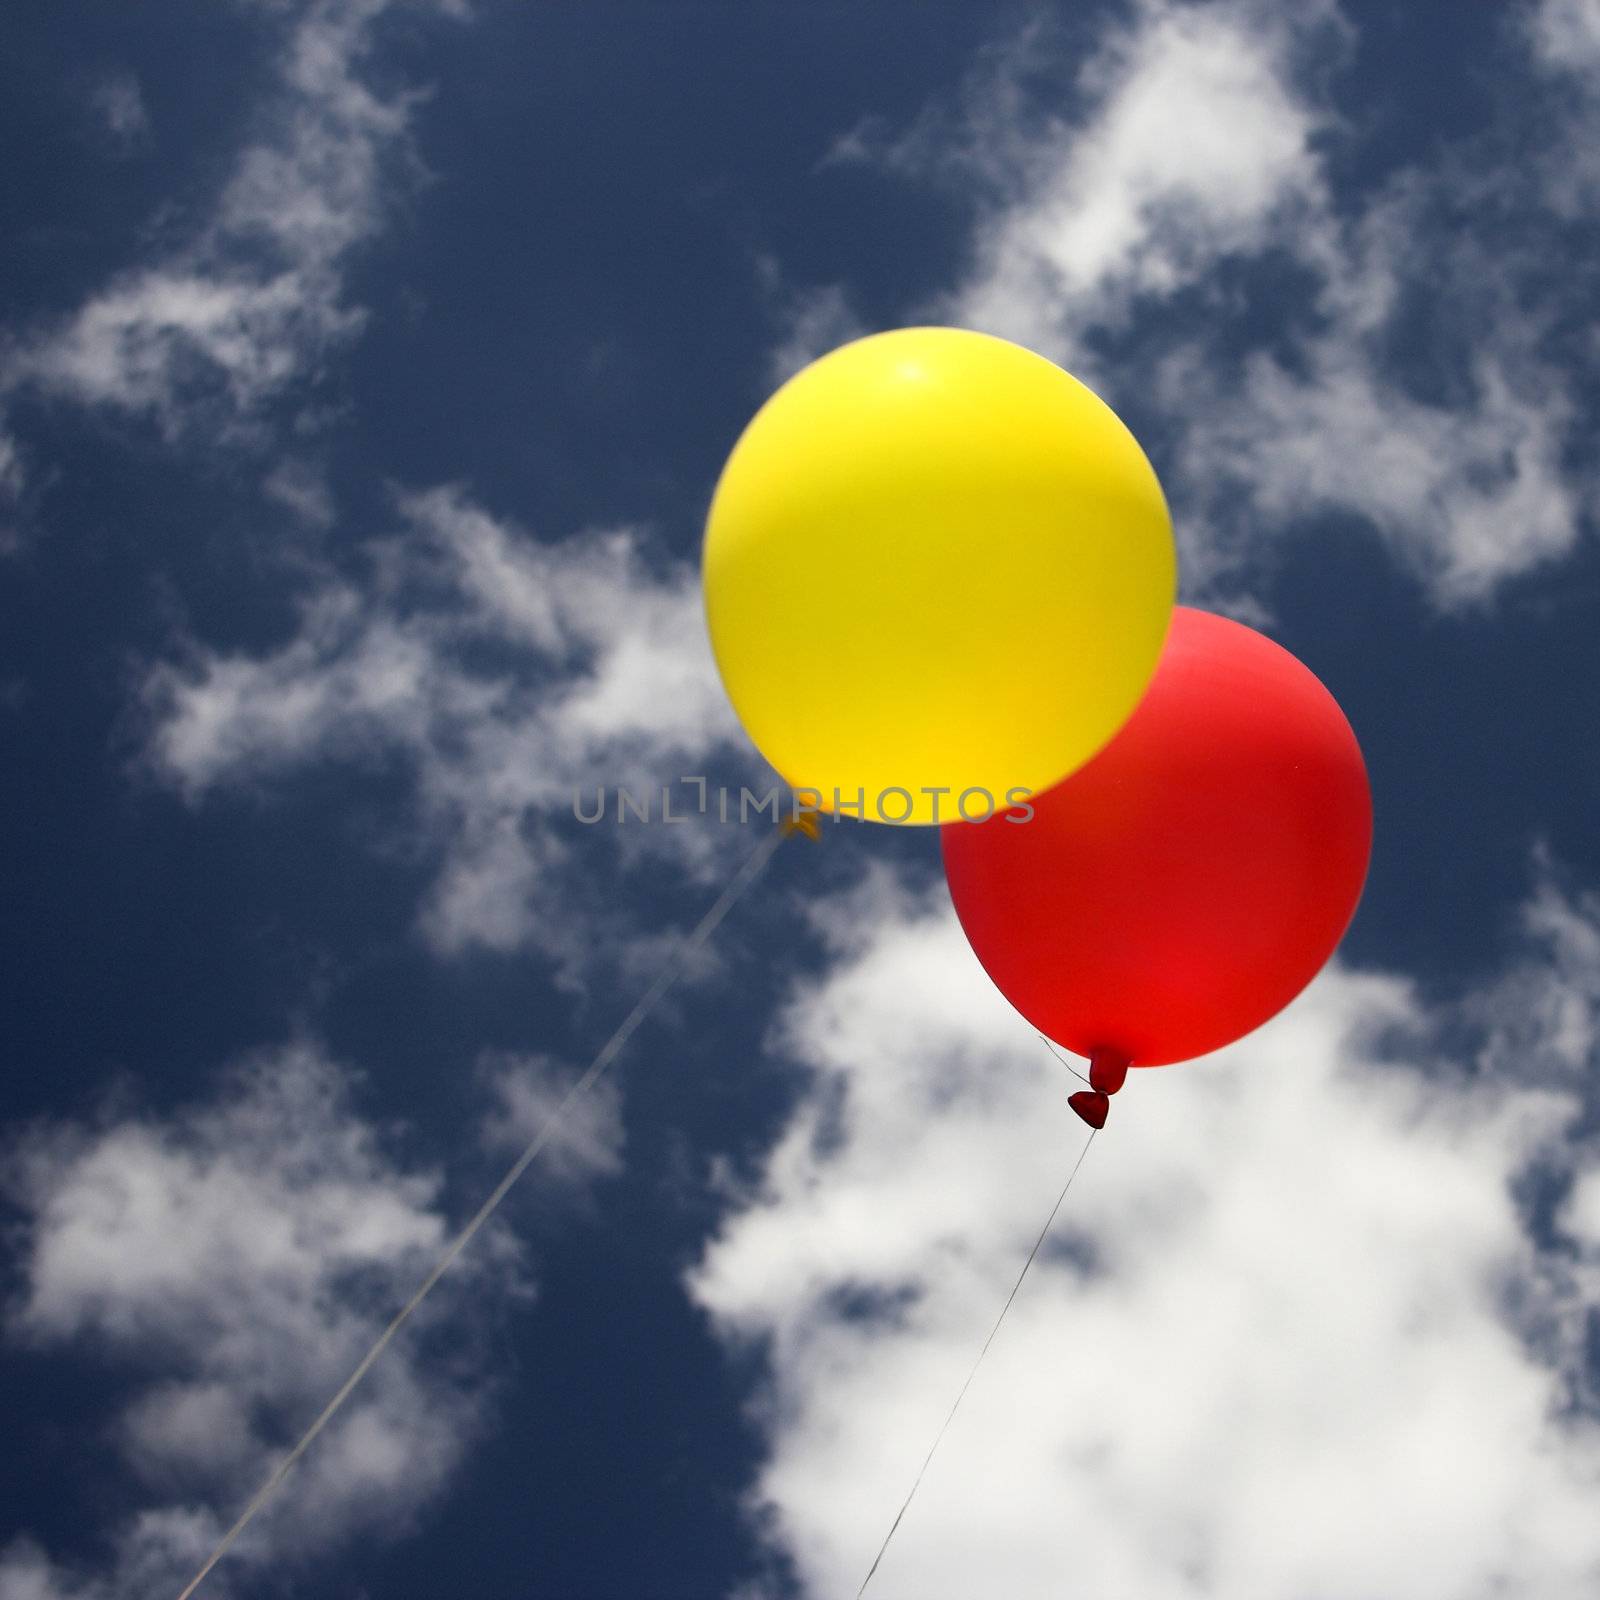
(1108,1071)
(805,822)
(1091,1105)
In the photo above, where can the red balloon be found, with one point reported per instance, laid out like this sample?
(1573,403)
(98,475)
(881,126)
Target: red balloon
(1189,881)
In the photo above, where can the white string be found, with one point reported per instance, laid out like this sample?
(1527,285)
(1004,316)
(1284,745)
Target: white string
(609,1051)
(1049,1045)
(1049,1221)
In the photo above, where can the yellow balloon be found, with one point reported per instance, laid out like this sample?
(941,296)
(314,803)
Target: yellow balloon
(935,564)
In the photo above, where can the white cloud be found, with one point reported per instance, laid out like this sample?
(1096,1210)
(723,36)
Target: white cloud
(1565,36)
(1161,216)
(10,467)
(1454,457)
(527,1091)
(1271,1350)
(239,1257)
(1582,1212)
(11,487)
(810,321)
(1197,147)
(1541,1018)
(1464,498)
(246,308)
(302,487)
(600,674)
(1567,32)
(1128,173)
(119,103)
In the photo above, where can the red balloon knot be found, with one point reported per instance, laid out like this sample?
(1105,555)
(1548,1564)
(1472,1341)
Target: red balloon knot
(1108,1070)
(1091,1105)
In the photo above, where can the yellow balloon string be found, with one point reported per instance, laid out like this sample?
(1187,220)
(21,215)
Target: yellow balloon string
(609,1051)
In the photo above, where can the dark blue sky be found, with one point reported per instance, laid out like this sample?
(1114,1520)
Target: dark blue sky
(541,262)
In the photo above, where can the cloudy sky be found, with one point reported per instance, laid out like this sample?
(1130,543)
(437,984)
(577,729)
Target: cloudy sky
(365,368)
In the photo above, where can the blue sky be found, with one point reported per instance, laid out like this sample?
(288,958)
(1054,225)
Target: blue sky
(365,369)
